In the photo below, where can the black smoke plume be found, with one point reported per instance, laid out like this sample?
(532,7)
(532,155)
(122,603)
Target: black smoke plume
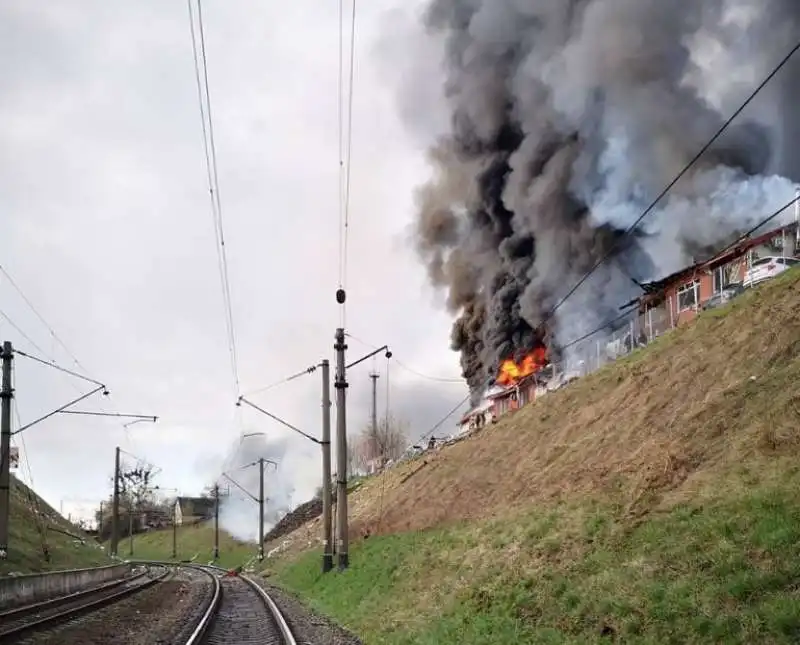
(567,117)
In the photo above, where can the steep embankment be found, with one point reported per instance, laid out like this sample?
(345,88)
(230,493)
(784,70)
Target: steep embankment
(34,525)
(653,501)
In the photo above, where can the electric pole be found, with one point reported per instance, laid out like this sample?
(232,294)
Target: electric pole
(216,522)
(175,529)
(340,384)
(115,507)
(327,520)
(100,522)
(374,376)
(261,508)
(7,394)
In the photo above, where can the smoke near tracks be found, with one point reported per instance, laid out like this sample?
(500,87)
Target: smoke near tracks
(565,119)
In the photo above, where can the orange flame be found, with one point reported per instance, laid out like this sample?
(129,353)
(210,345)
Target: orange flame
(512,372)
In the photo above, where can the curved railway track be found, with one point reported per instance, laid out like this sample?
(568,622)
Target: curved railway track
(239,612)
(42,616)
(236,610)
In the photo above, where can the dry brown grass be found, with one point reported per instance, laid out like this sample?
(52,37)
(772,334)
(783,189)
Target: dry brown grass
(715,396)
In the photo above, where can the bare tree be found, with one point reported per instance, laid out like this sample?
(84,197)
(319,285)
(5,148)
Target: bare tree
(356,464)
(385,443)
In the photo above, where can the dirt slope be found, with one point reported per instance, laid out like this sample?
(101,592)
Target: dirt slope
(645,432)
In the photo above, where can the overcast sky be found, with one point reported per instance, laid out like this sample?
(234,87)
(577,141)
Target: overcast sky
(106,227)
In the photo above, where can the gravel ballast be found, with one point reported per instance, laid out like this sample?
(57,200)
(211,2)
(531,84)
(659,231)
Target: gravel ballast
(158,615)
(309,627)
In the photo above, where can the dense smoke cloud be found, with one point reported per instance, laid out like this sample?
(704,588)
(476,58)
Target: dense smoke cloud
(567,117)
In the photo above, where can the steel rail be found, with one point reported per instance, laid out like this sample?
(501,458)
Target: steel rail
(277,615)
(211,610)
(18,612)
(11,635)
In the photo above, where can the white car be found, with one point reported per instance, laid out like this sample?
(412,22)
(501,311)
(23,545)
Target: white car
(766,268)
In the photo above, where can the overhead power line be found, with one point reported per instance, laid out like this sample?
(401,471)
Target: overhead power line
(615,247)
(446,417)
(21,332)
(209,147)
(410,370)
(763,222)
(36,313)
(730,246)
(439,379)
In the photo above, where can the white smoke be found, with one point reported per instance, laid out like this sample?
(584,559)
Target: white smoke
(239,510)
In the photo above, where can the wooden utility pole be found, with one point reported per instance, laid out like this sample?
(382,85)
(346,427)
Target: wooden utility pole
(261,508)
(340,384)
(7,394)
(115,507)
(327,520)
(216,521)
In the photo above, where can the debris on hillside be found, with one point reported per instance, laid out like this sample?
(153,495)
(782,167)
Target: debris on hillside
(295,519)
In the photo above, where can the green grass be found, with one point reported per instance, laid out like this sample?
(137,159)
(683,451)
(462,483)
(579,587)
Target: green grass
(25,552)
(659,505)
(724,572)
(191,540)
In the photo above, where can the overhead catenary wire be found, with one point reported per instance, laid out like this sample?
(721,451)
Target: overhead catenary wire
(345,147)
(209,147)
(340,153)
(410,370)
(21,332)
(615,247)
(309,370)
(41,319)
(50,361)
(349,148)
(57,367)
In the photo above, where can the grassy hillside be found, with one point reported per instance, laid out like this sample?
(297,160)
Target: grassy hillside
(191,540)
(651,502)
(25,537)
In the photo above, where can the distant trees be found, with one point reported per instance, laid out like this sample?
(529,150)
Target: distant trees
(140,506)
(377,445)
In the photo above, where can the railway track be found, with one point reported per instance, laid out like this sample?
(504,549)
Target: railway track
(239,612)
(235,611)
(43,616)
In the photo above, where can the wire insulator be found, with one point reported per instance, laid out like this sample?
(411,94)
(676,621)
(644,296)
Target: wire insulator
(341,296)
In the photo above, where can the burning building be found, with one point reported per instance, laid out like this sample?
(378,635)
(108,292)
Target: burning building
(566,119)
(511,372)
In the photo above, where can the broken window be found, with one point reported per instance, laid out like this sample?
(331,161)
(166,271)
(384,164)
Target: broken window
(688,296)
